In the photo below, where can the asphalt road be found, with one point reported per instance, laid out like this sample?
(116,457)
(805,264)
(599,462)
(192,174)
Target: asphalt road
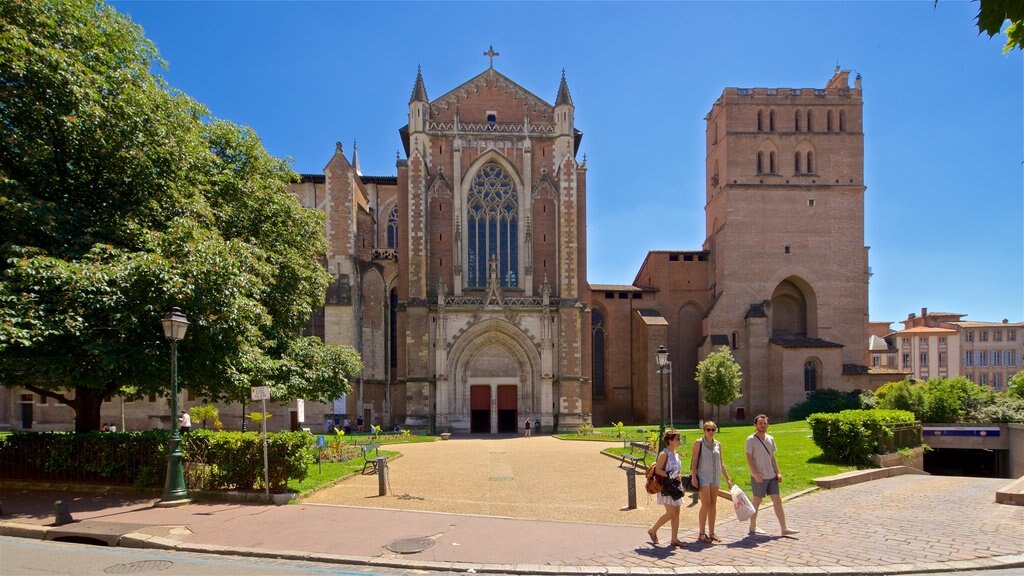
(21,557)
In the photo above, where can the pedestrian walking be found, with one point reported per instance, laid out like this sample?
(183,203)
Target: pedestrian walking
(765,476)
(526,428)
(707,468)
(184,422)
(668,467)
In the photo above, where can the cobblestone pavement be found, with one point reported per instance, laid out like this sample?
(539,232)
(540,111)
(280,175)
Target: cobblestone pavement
(898,521)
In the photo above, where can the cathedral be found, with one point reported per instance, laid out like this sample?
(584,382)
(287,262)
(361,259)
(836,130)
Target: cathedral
(462,279)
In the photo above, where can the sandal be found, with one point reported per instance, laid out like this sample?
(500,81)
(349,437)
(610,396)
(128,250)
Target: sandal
(678,543)
(653,535)
(704,538)
(713,538)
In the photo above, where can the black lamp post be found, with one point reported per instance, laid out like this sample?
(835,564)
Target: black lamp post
(175,492)
(661,357)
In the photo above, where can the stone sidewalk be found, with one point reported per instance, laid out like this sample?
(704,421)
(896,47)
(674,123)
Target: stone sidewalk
(459,497)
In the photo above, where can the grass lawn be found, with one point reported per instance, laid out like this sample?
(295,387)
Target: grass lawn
(330,472)
(800,460)
(327,473)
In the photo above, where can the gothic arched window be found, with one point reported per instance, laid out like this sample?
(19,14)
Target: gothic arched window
(393,228)
(810,377)
(597,325)
(492,227)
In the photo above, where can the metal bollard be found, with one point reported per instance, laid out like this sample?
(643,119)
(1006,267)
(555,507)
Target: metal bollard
(631,488)
(61,514)
(382,476)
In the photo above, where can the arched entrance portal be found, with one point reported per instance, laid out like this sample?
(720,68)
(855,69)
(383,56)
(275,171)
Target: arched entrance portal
(494,382)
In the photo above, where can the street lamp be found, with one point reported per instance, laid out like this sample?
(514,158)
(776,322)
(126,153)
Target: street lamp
(175,492)
(661,357)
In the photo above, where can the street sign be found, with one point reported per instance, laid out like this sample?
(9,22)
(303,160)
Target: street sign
(260,392)
(300,408)
(320,441)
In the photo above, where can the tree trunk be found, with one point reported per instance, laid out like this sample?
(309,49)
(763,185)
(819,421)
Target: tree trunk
(87,404)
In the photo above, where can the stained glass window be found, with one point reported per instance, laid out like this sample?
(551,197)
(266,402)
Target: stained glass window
(492,227)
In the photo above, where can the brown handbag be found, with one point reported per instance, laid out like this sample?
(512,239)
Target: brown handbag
(653,485)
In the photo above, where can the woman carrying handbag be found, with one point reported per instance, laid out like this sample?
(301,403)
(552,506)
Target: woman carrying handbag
(668,467)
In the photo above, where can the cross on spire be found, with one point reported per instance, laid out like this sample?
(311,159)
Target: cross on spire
(491,54)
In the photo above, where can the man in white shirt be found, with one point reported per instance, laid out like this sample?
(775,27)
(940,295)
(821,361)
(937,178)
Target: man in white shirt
(184,422)
(764,474)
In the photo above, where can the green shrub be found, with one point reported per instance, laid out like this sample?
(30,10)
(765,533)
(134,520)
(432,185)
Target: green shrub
(851,436)
(825,400)
(1003,408)
(234,460)
(937,400)
(130,458)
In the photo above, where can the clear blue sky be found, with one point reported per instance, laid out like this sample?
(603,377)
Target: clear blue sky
(943,110)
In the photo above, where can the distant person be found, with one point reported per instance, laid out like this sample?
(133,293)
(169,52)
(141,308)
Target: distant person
(536,426)
(765,476)
(184,422)
(668,467)
(105,427)
(347,426)
(707,469)
(527,430)
(359,424)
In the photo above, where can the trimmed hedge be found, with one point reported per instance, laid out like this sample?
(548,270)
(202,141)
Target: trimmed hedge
(213,460)
(138,459)
(851,436)
(222,460)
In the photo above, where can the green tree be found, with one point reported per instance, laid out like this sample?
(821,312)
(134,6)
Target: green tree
(719,378)
(121,197)
(992,14)
(1015,385)
(205,413)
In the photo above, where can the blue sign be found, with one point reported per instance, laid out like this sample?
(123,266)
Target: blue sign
(320,441)
(985,431)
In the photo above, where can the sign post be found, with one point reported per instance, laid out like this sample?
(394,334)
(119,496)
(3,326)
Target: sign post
(262,393)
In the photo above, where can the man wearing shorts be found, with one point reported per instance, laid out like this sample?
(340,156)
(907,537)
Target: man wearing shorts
(764,474)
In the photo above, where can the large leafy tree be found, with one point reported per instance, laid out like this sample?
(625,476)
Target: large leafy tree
(719,378)
(992,14)
(120,198)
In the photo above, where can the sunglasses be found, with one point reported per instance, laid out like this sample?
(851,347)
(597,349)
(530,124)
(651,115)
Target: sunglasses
(710,429)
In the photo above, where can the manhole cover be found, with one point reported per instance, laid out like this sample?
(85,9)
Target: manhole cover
(140,566)
(410,545)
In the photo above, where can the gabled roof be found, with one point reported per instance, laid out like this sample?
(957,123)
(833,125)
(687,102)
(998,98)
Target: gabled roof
(491,77)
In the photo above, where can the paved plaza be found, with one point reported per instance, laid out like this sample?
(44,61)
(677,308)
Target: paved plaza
(542,505)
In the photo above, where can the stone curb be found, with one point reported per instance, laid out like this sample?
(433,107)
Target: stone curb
(858,476)
(147,541)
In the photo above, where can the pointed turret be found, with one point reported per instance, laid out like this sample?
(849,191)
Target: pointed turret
(564,117)
(419,105)
(419,91)
(355,158)
(563,92)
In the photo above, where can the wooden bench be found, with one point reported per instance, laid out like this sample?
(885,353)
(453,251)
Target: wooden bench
(370,454)
(637,455)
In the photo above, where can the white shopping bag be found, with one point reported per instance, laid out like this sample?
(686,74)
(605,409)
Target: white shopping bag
(740,503)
